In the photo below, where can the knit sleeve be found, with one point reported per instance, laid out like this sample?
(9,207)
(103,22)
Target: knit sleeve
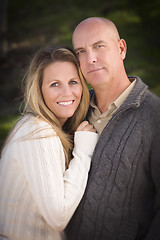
(154,229)
(56,191)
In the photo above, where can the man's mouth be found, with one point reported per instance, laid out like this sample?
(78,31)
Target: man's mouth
(95,70)
(65,103)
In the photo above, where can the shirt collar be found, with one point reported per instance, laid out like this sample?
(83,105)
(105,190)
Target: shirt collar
(118,102)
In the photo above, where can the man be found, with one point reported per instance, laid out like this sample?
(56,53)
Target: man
(122,198)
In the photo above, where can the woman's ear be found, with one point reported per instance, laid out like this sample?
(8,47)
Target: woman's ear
(123,48)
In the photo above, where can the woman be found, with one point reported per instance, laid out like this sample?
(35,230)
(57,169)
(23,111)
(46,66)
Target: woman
(40,186)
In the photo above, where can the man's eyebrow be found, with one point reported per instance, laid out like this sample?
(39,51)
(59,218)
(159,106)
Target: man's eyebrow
(99,42)
(77,49)
(94,44)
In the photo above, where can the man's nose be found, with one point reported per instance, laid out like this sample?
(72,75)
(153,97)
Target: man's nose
(91,57)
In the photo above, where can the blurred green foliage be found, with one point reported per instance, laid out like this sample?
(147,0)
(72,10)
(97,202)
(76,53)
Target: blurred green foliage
(40,23)
(6,123)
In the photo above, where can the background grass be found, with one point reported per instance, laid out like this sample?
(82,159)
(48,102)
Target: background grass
(40,23)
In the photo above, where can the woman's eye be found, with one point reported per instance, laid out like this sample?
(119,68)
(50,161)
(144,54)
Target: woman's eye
(73,82)
(54,84)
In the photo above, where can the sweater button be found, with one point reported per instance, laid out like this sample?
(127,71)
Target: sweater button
(98,121)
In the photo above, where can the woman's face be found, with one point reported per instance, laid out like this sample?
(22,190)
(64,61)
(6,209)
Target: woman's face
(61,89)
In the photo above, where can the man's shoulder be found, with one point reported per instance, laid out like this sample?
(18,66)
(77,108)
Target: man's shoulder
(153,100)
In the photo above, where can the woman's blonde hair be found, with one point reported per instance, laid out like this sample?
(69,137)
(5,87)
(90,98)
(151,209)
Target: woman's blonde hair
(33,98)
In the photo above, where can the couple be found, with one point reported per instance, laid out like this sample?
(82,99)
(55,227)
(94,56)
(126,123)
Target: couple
(46,160)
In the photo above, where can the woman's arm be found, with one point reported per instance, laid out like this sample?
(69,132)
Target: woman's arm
(56,192)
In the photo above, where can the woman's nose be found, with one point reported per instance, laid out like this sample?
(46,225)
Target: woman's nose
(66,90)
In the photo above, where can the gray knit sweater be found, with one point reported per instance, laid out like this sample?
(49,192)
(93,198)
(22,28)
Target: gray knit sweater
(122,198)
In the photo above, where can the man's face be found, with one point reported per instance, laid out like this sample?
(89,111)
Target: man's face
(99,51)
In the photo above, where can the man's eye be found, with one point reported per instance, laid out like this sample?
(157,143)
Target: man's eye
(99,46)
(79,52)
(54,84)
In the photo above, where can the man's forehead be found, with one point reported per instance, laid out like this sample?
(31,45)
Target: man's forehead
(80,38)
(89,29)
(90,39)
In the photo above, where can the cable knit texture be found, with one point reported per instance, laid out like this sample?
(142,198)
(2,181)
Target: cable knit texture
(122,198)
(37,196)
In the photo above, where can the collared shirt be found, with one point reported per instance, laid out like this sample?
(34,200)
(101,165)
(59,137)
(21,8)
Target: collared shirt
(99,120)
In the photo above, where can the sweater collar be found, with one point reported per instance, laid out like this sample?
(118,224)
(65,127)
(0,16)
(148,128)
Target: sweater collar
(137,94)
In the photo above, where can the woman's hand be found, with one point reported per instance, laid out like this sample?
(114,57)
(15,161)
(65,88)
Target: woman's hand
(85,126)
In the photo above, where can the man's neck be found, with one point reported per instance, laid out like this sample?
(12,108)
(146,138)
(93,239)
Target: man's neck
(107,95)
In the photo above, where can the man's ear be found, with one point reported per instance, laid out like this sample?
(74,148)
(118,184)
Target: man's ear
(123,48)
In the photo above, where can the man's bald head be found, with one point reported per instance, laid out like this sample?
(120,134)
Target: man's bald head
(96,21)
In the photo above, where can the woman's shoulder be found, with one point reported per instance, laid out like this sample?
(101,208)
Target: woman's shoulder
(33,126)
